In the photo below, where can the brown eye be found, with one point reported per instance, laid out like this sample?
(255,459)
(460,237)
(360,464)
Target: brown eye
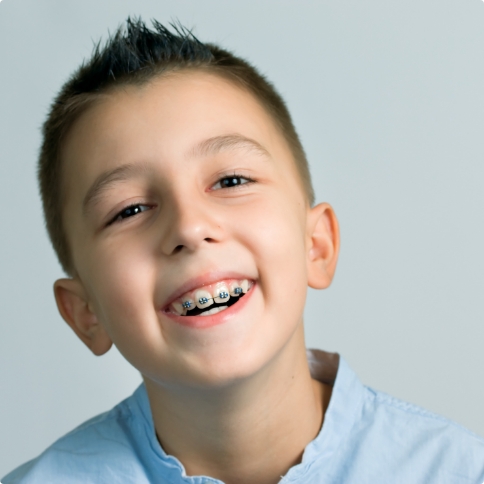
(231,182)
(130,212)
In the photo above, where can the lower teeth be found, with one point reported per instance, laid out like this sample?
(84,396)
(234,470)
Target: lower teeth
(213,311)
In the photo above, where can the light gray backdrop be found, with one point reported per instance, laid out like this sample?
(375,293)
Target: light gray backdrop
(388,99)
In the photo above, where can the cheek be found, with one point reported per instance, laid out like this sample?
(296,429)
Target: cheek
(121,280)
(124,294)
(278,238)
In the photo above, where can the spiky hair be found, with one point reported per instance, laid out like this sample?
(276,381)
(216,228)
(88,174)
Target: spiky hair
(136,51)
(135,55)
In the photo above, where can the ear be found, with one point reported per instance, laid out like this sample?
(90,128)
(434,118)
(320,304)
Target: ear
(75,309)
(323,245)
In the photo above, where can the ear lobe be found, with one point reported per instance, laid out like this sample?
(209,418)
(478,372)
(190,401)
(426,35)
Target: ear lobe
(323,249)
(75,309)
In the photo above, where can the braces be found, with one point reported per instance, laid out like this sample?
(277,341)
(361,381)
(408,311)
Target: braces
(204,300)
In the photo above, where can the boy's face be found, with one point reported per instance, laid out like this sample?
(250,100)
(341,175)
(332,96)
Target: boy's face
(215,197)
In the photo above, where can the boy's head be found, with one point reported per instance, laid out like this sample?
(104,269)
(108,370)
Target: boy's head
(175,184)
(135,56)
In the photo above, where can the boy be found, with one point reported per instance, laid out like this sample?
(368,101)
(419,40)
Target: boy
(178,199)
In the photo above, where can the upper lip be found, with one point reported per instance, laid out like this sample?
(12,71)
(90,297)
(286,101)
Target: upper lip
(200,281)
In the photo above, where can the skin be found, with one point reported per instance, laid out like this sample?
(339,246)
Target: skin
(234,400)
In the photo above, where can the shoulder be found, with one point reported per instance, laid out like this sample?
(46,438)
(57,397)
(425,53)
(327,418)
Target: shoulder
(374,437)
(100,447)
(405,437)
(380,406)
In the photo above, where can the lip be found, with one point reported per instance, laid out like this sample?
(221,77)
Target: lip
(200,281)
(202,322)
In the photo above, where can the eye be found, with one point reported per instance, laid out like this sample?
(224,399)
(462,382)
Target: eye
(130,212)
(231,182)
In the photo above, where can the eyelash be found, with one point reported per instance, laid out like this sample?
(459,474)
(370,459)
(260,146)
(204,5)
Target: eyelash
(119,216)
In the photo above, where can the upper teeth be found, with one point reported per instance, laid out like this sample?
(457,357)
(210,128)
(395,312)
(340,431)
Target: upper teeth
(221,294)
(203,299)
(208,295)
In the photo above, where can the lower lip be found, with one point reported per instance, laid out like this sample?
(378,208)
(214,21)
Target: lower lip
(201,322)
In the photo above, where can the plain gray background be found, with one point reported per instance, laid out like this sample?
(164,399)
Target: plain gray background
(388,99)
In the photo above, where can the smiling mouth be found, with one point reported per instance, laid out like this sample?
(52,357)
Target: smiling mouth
(212,299)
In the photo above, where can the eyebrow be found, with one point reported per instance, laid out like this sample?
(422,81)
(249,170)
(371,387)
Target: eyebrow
(207,147)
(109,178)
(229,142)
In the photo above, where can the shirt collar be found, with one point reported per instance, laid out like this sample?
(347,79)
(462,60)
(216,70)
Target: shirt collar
(342,412)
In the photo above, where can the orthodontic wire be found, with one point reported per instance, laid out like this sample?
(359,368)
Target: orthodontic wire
(204,300)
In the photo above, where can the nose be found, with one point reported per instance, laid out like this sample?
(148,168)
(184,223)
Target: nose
(189,224)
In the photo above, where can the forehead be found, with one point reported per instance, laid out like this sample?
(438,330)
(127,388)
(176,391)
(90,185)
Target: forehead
(163,120)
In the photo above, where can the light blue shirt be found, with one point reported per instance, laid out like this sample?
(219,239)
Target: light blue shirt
(367,437)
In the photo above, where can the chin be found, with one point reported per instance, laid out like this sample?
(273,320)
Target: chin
(229,366)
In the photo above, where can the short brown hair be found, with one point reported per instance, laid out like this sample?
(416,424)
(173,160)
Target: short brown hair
(134,55)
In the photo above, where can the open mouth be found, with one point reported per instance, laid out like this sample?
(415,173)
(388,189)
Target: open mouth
(211,299)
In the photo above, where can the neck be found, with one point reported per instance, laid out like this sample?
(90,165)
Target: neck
(251,431)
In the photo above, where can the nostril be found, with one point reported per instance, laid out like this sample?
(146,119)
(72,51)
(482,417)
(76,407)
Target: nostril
(177,249)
